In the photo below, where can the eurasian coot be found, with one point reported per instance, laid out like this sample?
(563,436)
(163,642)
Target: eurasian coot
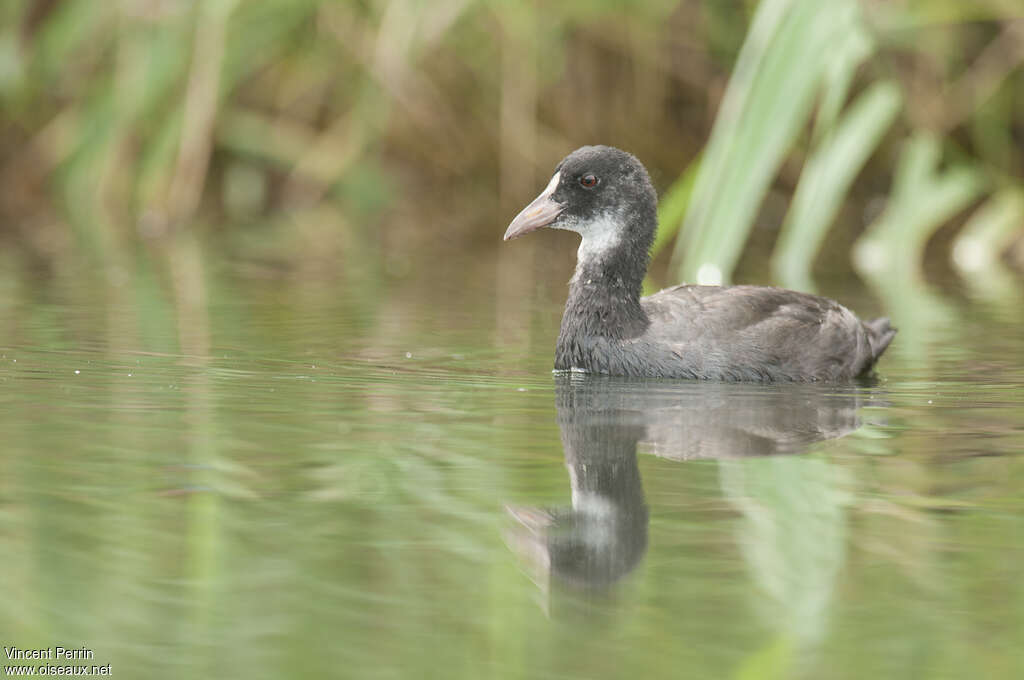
(735,333)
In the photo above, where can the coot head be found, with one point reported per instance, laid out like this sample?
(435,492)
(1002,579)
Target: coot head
(600,192)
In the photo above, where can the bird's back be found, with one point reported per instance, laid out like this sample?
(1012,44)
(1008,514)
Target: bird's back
(759,333)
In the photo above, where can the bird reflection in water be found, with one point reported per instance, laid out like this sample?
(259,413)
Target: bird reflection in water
(603,536)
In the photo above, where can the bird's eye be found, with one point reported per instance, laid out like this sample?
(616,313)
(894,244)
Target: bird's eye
(589,181)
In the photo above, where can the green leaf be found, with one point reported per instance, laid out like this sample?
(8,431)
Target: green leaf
(826,180)
(922,200)
(767,104)
(990,231)
(673,206)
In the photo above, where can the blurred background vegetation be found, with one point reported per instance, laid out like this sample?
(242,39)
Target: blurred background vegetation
(316,136)
(340,147)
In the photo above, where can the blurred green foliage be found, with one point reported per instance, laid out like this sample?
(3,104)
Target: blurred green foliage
(799,62)
(124,123)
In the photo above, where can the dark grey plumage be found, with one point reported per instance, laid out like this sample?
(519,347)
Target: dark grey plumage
(732,333)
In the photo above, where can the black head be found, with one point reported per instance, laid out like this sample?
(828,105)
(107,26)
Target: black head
(600,192)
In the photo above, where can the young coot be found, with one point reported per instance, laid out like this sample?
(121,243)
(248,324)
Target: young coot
(735,333)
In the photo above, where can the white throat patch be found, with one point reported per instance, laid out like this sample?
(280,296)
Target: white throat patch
(599,236)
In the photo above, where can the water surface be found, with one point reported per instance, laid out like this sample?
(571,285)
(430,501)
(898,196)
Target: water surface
(224,475)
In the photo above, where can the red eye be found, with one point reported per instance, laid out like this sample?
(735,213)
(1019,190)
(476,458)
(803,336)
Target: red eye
(589,181)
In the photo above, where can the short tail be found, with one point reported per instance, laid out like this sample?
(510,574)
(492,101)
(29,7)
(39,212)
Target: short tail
(880,334)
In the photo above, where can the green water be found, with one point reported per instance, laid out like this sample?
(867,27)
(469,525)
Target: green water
(214,472)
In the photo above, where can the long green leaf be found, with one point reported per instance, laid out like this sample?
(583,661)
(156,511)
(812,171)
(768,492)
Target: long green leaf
(990,231)
(826,180)
(673,206)
(922,200)
(767,104)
